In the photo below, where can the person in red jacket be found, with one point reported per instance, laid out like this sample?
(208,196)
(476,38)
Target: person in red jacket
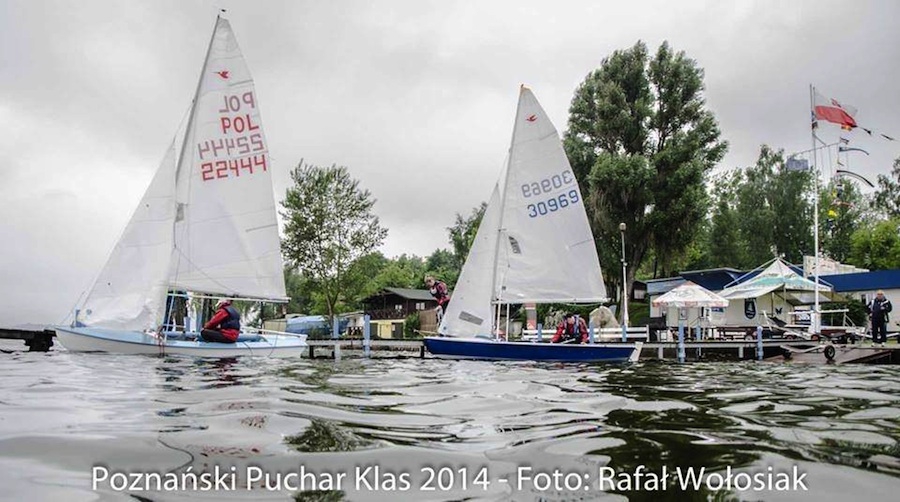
(572,329)
(225,325)
(441,294)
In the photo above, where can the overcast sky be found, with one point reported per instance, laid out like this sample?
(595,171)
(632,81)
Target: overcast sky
(416,98)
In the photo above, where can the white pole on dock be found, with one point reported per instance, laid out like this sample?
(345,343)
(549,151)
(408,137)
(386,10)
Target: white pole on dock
(367,335)
(681,354)
(540,330)
(759,345)
(591,332)
(334,328)
(815,170)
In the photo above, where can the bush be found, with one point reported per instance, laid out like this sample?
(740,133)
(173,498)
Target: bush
(411,326)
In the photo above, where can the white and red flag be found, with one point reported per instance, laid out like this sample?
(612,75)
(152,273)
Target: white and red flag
(831,110)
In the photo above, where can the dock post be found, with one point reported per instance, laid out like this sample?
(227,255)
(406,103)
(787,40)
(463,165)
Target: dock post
(334,328)
(540,330)
(659,353)
(591,332)
(699,337)
(759,345)
(337,351)
(681,355)
(367,335)
(624,332)
(741,352)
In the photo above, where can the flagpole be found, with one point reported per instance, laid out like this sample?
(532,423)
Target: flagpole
(812,109)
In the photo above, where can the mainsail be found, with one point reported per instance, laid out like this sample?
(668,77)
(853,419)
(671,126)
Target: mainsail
(208,221)
(226,235)
(534,243)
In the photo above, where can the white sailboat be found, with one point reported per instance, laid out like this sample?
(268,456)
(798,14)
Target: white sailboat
(206,224)
(534,245)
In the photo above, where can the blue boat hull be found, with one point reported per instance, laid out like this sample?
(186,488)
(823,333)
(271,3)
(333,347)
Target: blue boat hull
(468,348)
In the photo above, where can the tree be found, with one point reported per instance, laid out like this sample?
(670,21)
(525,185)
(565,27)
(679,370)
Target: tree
(329,224)
(887,197)
(842,211)
(641,141)
(442,264)
(726,247)
(877,247)
(462,234)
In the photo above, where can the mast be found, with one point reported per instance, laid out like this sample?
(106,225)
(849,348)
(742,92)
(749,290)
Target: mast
(193,113)
(509,161)
(812,109)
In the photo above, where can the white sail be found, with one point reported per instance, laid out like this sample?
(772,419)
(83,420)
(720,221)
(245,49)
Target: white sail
(469,312)
(547,251)
(130,290)
(226,232)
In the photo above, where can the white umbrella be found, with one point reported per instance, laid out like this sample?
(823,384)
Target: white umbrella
(690,295)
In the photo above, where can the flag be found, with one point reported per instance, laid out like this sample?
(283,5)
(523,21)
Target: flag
(868,131)
(845,140)
(831,110)
(793,164)
(885,136)
(851,149)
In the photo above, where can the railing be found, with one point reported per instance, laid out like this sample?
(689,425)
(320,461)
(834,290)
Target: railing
(638,333)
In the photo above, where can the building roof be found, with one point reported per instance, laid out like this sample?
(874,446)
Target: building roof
(864,281)
(713,279)
(660,286)
(409,294)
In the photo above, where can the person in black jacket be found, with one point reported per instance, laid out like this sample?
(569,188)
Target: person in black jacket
(879,310)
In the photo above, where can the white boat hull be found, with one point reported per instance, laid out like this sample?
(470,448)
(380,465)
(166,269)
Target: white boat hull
(129,342)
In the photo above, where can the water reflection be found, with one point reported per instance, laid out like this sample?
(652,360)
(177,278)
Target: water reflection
(61,414)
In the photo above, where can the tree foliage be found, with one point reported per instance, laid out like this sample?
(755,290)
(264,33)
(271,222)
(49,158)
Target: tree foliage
(462,234)
(329,224)
(877,247)
(641,142)
(887,197)
(842,211)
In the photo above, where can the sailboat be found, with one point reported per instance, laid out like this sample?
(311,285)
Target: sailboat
(205,225)
(534,245)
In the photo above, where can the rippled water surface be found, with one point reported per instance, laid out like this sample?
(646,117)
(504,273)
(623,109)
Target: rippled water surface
(63,416)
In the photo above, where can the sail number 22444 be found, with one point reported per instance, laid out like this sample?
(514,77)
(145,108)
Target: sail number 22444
(538,189)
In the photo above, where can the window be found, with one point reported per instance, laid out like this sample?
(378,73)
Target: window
(420,306)
(398,307)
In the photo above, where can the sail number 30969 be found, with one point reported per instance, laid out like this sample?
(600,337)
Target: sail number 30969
(554,203)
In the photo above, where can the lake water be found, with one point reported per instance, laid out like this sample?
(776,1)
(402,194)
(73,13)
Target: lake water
(412,429)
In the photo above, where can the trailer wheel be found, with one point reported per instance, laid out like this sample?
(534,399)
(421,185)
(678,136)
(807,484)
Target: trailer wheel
(829,352)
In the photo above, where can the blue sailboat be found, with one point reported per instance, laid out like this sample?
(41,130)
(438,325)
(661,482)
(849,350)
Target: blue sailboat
(534,245)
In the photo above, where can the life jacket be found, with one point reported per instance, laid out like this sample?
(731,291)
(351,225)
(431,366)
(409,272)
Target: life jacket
(439,292)
(573,331)
(234,319)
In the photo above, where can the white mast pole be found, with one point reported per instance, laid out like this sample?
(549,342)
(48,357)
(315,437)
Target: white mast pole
(812,109)
(509,162)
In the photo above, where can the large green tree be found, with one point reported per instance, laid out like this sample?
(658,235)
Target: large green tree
(329,224)
(877,247)
(641,142)
(886,200)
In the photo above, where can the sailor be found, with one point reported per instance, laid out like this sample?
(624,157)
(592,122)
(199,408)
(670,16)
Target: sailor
(572,329)
(878,309)
(441,294)
(225,325)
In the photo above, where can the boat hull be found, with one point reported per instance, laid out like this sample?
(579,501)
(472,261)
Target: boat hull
(131,342)
(457,348)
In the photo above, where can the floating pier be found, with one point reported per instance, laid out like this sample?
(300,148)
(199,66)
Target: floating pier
(776,351)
